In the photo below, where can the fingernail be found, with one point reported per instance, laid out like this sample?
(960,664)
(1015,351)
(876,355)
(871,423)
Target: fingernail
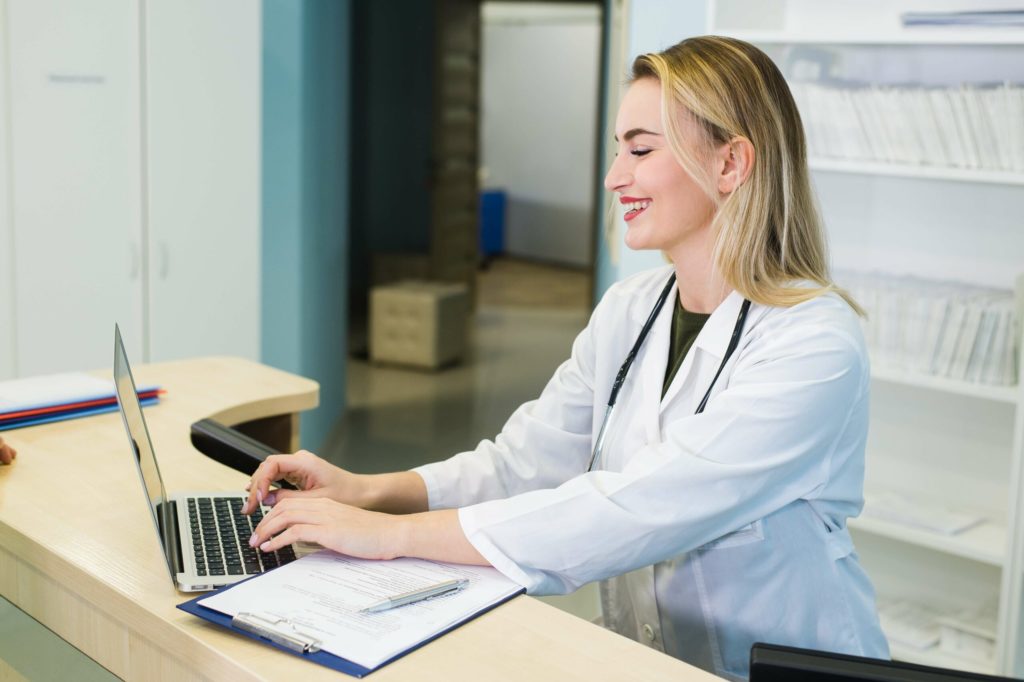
(259,496)
(265,546)
(252,540)
(271,499)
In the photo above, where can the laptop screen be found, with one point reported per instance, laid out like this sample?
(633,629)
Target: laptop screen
(142,447)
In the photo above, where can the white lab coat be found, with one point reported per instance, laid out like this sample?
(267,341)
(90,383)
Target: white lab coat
(711,531)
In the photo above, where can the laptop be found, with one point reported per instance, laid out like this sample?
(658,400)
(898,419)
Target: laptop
(204,536)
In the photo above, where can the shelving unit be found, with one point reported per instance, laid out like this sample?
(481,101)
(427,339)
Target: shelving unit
(999,394)
(923,172)
(929,36)
(985,543)
(931,438)
(941,659)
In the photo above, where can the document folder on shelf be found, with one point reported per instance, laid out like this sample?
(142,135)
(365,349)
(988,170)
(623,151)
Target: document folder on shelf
(344,586)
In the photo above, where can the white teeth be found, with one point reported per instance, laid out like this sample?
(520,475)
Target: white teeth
(639,205)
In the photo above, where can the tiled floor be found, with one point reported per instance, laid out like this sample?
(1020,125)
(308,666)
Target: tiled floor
(527,318)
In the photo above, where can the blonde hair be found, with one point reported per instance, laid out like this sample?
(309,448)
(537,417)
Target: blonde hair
(768,233)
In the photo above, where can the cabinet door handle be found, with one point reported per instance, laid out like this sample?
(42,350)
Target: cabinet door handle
(164,256)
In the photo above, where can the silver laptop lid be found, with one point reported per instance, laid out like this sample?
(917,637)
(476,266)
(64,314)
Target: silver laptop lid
(145,458)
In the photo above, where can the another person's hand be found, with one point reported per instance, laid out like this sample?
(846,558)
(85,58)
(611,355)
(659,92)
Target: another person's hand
(345,529)
(313,476)
(7,453)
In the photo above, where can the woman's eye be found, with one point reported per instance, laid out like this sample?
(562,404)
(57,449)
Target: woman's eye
(640,152)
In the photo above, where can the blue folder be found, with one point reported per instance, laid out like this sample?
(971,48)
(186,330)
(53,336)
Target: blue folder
(67,414)
(322,657)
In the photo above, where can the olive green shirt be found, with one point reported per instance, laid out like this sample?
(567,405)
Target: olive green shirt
(685,328)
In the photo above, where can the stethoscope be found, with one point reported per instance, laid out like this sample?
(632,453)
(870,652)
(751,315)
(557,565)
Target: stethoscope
(737,332)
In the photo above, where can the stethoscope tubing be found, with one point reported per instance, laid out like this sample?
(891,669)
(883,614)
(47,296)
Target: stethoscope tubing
(620,378)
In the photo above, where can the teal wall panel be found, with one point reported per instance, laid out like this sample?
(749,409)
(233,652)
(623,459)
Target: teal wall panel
(306,79)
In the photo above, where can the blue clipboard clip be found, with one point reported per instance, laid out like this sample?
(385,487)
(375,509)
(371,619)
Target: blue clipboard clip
(280,631)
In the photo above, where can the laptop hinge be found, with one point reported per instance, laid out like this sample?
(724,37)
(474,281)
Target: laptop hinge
(167,515)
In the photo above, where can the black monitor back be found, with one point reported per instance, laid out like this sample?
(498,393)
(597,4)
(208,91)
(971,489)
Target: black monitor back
(774,663)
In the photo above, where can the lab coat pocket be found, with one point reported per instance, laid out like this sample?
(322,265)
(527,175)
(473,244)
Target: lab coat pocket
(839,544)
(752,532)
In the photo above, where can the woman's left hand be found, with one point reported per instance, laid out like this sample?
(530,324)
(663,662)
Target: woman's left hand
(345,529)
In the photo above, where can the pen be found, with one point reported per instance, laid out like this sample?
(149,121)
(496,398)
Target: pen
(417,595)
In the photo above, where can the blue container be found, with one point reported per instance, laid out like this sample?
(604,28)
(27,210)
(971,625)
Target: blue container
(492,222)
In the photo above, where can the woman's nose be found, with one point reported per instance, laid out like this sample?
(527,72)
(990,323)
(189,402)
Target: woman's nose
(617,175)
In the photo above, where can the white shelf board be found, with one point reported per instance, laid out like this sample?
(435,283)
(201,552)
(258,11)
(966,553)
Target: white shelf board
(940,659)
(913,171)
(966,35)
(1000,394)
(985,542)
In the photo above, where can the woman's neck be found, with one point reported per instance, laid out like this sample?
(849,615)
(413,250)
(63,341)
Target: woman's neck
(701,287)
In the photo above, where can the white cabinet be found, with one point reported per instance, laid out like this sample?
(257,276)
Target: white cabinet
(934,442)
(203,69)
(131,160)
(74,182)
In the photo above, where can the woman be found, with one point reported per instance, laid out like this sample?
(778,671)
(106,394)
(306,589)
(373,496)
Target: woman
(716,517)
(7,453)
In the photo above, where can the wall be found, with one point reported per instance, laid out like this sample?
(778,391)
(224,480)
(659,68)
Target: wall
(390,140)
(305,197)
(539,81)
(647,26)
(7,347)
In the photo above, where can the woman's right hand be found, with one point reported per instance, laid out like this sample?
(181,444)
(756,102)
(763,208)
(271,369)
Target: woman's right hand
(313,476)
(7,453)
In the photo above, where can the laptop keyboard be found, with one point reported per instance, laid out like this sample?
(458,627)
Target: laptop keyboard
(220,538)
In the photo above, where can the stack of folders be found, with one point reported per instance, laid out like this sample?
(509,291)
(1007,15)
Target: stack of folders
(55,397)
(909,624)
(943,329)
(969,126)
(967,634)
(984,18)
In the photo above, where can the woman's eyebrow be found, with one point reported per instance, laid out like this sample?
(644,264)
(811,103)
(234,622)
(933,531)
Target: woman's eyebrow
(633,132)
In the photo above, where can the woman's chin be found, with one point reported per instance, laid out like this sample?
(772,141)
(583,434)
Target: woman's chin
(636,240)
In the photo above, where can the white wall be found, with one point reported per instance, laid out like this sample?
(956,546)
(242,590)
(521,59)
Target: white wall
(539,99)
(7,355)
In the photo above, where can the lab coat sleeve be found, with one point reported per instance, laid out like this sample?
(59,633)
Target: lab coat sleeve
(768,438)
(544,443)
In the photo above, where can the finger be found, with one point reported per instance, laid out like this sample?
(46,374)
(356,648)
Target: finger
(6,455)
(266,473)
(272,525)
(280,494)
(293,506)
(286,506)
(297,533)
(311,503)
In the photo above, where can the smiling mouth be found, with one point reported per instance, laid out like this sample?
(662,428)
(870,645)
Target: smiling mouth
(636,208)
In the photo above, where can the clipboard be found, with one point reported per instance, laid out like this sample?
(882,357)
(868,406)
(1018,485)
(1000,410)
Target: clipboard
(319,657)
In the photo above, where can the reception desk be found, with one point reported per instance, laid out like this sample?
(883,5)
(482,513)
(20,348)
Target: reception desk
(78,552)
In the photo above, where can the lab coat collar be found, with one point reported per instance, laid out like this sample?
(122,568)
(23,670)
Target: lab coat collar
(714,337)
(713,340)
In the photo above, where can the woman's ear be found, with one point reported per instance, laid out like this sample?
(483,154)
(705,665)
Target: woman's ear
(735,161)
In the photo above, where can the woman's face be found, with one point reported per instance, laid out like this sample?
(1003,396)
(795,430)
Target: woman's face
(665,208)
